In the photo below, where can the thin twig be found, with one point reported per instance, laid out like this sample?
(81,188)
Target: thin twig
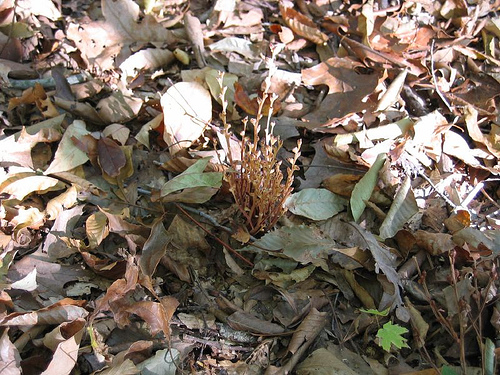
(206,216)
(446,199)
(472,194)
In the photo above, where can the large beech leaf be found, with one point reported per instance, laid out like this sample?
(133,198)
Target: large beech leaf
(64,200)
(364,188)
(16,149)
(68,156)
(187,109)
(315,204)
(66,353)
(156,314)
(101,41)
(193,177)
(40,184)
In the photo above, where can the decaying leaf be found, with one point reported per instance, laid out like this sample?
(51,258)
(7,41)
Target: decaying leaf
(9,355)
(347,90)
(154,248)
(65,310)
(394,108)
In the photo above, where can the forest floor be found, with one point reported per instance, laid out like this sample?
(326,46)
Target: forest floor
(249,187)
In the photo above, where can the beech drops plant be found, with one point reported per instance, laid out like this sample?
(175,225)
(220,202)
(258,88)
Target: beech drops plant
(256,181)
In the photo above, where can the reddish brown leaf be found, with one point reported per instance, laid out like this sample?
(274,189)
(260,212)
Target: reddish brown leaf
(251,106)
(111,157)
(63,311)
(105,267)
(154,248)
(302,25)
(156,315)
(347,93)
(119,288)
(434,243)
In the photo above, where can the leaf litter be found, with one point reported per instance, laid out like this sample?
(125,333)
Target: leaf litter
(252,188)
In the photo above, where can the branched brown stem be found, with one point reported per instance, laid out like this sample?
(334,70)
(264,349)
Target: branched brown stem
(256,180)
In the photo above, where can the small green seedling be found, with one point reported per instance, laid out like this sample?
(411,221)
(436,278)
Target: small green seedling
(390,334)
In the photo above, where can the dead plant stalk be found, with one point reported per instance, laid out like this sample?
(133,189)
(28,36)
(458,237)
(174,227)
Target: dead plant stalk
(256,180)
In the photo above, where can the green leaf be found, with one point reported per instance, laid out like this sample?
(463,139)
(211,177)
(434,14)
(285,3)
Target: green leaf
(376,312)
(315,204)
(390,334)
(364,188)
(193,177)
(489,357)
(445,370)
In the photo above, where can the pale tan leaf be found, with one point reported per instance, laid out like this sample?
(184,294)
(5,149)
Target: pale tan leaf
(118,108)
(100,41)
(66,353)
(97,229)
(187,109)
(147,59)
(62,332)
(118,132)
(391,95)
(40,184)
(143,135)
(68,156)
(64,200)
(10,360)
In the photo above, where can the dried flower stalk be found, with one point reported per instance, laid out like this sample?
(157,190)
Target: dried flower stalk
(256,181)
